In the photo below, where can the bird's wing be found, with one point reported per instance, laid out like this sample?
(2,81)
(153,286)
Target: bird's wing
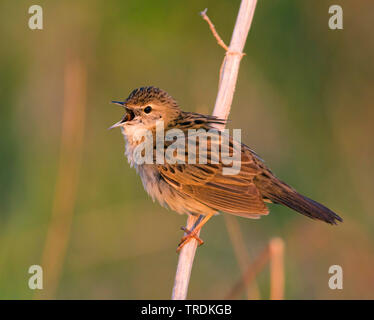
(236,194)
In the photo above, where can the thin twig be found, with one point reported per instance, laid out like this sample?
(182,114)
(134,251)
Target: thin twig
(219,41)
(213,29)
(73,120)
(218,38)
(221,109)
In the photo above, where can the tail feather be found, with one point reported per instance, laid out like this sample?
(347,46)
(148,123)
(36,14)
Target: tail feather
(279,192)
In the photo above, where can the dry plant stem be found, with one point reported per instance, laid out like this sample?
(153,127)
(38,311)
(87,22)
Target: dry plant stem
(232,59)
(276,269)
(58,233)
(185,262)
(241,253)
(221,109)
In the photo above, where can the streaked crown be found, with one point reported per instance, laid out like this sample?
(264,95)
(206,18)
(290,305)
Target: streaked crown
(142,96)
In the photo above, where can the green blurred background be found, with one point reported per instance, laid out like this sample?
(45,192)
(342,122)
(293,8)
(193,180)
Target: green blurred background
(304,103)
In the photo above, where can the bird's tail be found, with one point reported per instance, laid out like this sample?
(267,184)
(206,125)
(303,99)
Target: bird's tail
(279,192)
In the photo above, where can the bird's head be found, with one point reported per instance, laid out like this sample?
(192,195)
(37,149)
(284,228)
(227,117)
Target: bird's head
(144,107)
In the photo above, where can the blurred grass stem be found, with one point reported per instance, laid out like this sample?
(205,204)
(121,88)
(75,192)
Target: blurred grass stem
(276,269)
(274,252)
(73,119)
(241,253)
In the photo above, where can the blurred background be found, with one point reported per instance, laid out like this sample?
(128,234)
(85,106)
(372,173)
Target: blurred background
(70,202)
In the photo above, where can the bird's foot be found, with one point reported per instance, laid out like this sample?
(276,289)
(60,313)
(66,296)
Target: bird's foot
(187,238)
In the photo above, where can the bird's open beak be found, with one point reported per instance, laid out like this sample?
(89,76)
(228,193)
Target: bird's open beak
(118,124)
(127,117)
(120,103)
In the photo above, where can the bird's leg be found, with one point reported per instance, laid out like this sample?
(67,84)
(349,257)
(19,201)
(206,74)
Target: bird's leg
(193,233)
(199,218)
(196,237)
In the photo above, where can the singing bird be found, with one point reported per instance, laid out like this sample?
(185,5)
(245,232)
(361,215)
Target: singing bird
(203,189)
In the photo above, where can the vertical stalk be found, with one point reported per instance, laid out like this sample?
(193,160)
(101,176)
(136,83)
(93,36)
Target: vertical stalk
(73,119)
(228,77)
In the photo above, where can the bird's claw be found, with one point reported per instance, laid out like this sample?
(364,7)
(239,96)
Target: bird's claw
(187,238)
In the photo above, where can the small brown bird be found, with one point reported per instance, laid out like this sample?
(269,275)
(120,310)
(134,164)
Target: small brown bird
(203,189)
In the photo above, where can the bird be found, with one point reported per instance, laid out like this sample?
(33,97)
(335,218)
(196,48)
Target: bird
(202,189)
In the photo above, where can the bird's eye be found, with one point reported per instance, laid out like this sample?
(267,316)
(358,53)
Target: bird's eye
(147,109)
